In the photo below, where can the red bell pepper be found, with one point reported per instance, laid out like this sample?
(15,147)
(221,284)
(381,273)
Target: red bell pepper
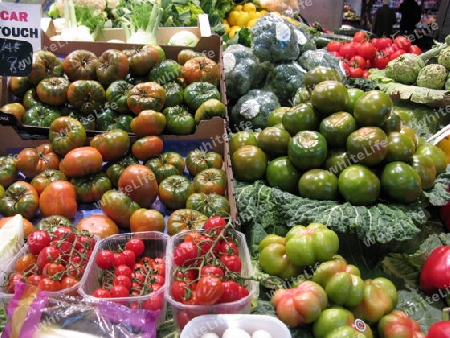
(435,273)
(441,329)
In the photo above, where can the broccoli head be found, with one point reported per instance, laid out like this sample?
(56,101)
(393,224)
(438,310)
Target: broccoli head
(432,76)
(243,70)
(284,80)
(305,40)
(444,58)
(274,39)
(311,59)
(252,110)
(405,68)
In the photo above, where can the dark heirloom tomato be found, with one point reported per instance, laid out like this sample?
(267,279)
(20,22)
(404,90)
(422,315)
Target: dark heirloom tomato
(50,223)
(147,147)
(106,119)
(65,134)
(113,65)
(211,181)
(81,64)
(147,123)
(139,182)
(187,54)
(90,188)
(30,99)
(174,94)
(53,90)
(209,204)
(143,59)
(174,191)
(14,108)
(41,116)
(201,69)
(119,207)
(88,96)
(32,161)
(18,86)
(199,160)
(117,94)
(146,95)
(167,164)
(185,219)
(45,64)
(112,144)
(58,198)
(43,179)
(20,198)
(114,169)
(179,121)
(81,161)
(8,170)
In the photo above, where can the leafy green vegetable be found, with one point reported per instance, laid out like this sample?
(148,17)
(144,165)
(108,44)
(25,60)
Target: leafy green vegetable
(216,10)
(362,83)
(182,13)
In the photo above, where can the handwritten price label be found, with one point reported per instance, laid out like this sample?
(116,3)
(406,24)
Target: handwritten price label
(15,57)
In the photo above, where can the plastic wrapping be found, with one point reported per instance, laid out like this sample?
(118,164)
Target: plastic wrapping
(60,316)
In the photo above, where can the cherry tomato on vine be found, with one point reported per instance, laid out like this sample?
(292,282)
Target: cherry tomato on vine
(38,240)
(101,293)
(232,262)
(211,270)
(13,279)
(68,282)
(104,259)
(130,257)
(47,284)
(48,254)
(159,265)
(214,225)
(65,233)
(158,279)
(185,254)
(53,270)
(228,248)
(181,290)
(123,270)
(119,291)
(25,263)
(209,289)
(34,279)
(136,245)
(186,275)
(232,292)
(119,259)
(122,280)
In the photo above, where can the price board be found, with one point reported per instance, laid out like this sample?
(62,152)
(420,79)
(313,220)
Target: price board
(15,57)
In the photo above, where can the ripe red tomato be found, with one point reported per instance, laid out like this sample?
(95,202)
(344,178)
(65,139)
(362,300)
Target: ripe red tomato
(68,282)
(367,50)
(122,280)
(355,72)
(415,49)
(158,279)
(13,279)
(119,291)
(159,265)
(402,42)
(38,240)
(101,293)
(347,50)
(228,248)
(119,259)
(65,233)
(154,302)
(381,61)
(214,225)
(185,254)
(211,270)
(123,270)
(47,284)
(396,54)
(53,270)
(186,275)
(208,291)
(181,290)
(104,259)
(360,36)
(384,43)
(136,245)
(357,61)
(34,279)
(25,263)
(48,254)
(232,262)
(232,292)
(130,257)
(334,46)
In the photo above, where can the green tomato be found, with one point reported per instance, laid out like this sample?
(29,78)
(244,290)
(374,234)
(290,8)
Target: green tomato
(319,74)
(326,270)
(249,163)
(331,319)
(353,95)
(311,244)
(41,116)
(345,289)
(400,182)
(274,141)
(329,97)
(373,108)
(424,166)
(337,160)
(318,184)
(180,124)
(367,145)
(300,117)
(400,147)
(91,188)
(242,138)
(393,123)
(348,331)
(307,150)
(270,239)
(8,170)
(337,127)
(281,173)
(276,115)
(274,261)
(358,185)
(436,154)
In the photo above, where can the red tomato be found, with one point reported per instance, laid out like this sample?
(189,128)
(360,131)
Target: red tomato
(65,233)
(123,270)
(347,50)
(159,265)
(360,36)
(357,61)
(68,282)
(119,291)
(415,49)
(232,262)
(211,270)
(388,50)
(53,270)
(214,225)
(47,255)
(122,280)
(402,42)
(136,245)
(47,284)
(375,42)
(396,54)
(185,254)
(209,290)
(355,72)
(101,293)
(384,43)
(130,257)
(119,259)
(365,74)
(381,61)
(367,50)
(13,279)
(186,275)
(158,280)
(334,46)
(85,242)
(26,263)
(37,241)
(180,290)
(154,302)
(104,259)
(228,248)
(75,270)
(232,292)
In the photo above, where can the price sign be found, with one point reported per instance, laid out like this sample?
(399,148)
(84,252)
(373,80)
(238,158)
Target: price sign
(15,57)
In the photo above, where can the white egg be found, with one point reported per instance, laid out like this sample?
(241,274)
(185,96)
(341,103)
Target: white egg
(210,335)
(234,332)
(261,334)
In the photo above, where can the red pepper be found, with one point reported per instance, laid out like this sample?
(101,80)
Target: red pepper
(435,273)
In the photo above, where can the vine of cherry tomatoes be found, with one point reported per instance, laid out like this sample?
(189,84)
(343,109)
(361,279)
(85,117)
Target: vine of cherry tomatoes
(363,53)
(55,260)
(208,268)
(128,272)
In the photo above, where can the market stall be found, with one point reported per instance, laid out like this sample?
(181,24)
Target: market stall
(255,176)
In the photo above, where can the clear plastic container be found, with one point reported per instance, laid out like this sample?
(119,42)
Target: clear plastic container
(183,313)
(250,323)
(5,297)
(155,247)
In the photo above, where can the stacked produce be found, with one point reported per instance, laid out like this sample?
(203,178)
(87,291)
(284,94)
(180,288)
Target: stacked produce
(110,91)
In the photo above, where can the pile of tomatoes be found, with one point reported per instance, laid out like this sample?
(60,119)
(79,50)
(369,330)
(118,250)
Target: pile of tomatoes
(207,268)
(129,272)
(55,259)
(363,53)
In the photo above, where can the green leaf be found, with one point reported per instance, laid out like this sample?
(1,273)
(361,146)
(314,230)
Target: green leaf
(439,195)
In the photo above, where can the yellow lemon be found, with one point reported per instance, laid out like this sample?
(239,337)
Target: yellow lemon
(444,145)
(249,7)
(233,31)
(232,17)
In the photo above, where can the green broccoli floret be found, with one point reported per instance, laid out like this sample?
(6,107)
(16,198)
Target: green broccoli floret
(274,39)
(252,110)
(305,40)
(243,70)
(284,80)
(320,57)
